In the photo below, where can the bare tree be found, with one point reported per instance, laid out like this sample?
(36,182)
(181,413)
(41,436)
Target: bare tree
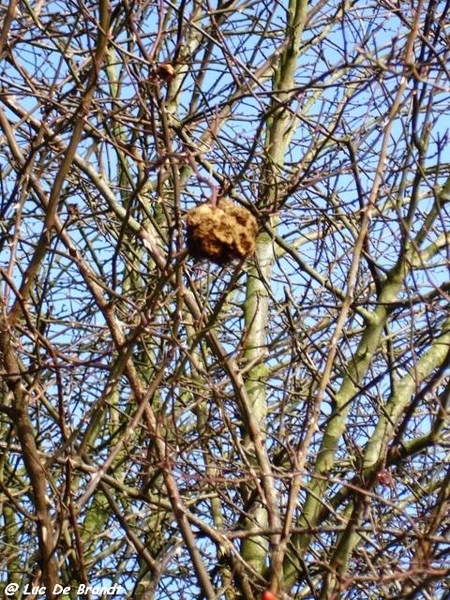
(254,394)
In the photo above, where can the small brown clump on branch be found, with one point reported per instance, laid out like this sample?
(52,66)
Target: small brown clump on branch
(221,233)
(166,72)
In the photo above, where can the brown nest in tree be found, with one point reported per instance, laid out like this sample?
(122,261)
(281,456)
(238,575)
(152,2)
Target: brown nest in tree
(221,233)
